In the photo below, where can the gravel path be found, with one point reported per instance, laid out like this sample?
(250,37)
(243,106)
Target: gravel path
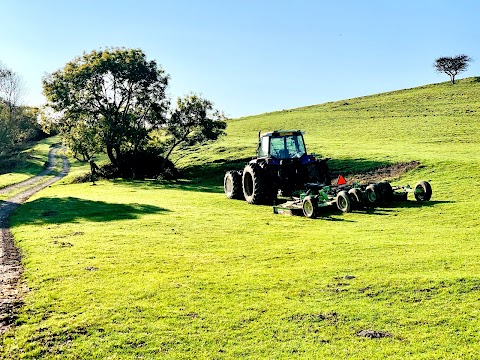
(10,259)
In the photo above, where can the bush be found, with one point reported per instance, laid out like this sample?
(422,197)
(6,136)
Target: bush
(141,165)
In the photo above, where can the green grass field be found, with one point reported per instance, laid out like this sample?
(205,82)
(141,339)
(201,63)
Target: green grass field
(131,269)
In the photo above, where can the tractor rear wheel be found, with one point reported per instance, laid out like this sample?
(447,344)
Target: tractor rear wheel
(343,202)
(256,189)
(318,172)
(310,207)
(357,198)
(423,191)
(232,184)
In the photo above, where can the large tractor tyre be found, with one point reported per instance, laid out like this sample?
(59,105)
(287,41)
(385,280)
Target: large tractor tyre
(422,191)
(343,202)
(372,195)
(310,207)
(232,184)
(357,198)
(386,192)
(256,188)
(318,172)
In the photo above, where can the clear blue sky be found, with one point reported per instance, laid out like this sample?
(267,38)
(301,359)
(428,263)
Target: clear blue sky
(250,56)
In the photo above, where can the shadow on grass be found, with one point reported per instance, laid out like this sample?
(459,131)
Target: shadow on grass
(416,204)
(331,213)
(328,217)
(209,177)
(198,185)
(70,209)
(386,210)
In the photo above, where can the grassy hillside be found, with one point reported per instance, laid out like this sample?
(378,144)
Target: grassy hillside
(382,127)
(175,270)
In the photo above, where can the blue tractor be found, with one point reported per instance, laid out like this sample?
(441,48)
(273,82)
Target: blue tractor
(281,168)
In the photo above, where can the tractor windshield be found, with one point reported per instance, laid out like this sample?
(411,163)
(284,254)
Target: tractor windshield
(287,147)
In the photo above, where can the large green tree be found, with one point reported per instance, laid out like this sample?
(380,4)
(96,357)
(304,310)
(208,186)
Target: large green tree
(115,100)
(111,98)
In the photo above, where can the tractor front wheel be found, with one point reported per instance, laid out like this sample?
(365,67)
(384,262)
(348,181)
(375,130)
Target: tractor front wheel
(232,184)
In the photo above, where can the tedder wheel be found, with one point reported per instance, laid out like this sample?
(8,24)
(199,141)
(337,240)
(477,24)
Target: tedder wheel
(256,189)
(343,202)
(423,191)
(310,207)
(232,184)
(386,192)
(371,194)
(357,198)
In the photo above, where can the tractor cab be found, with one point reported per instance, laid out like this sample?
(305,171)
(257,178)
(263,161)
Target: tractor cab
(281,145)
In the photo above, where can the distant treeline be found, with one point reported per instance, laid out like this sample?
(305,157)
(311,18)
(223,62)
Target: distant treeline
(18,124)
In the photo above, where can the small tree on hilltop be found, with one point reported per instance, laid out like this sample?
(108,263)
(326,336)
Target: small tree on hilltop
(452,65)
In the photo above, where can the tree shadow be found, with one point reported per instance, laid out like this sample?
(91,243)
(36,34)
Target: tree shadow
(197,185)
(209,177)
(70,209)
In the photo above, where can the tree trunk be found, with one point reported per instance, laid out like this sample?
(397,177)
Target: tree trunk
(162,169)
(111,155)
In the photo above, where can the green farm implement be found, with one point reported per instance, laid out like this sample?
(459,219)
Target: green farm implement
(350,197)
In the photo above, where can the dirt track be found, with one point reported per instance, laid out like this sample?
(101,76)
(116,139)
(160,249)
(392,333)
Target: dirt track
(10,259)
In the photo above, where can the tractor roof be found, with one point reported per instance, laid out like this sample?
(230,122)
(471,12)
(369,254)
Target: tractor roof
(282,133)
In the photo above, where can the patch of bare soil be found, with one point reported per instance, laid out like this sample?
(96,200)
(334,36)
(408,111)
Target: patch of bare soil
(10,272)
(390,172)
(372,334)
(10,258)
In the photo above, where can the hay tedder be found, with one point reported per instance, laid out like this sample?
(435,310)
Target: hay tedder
(283,168)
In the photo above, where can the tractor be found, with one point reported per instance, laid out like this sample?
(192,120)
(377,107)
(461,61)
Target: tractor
(281,167)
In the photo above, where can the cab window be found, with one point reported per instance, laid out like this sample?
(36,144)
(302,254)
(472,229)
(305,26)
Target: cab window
(287,147)
(263,146)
